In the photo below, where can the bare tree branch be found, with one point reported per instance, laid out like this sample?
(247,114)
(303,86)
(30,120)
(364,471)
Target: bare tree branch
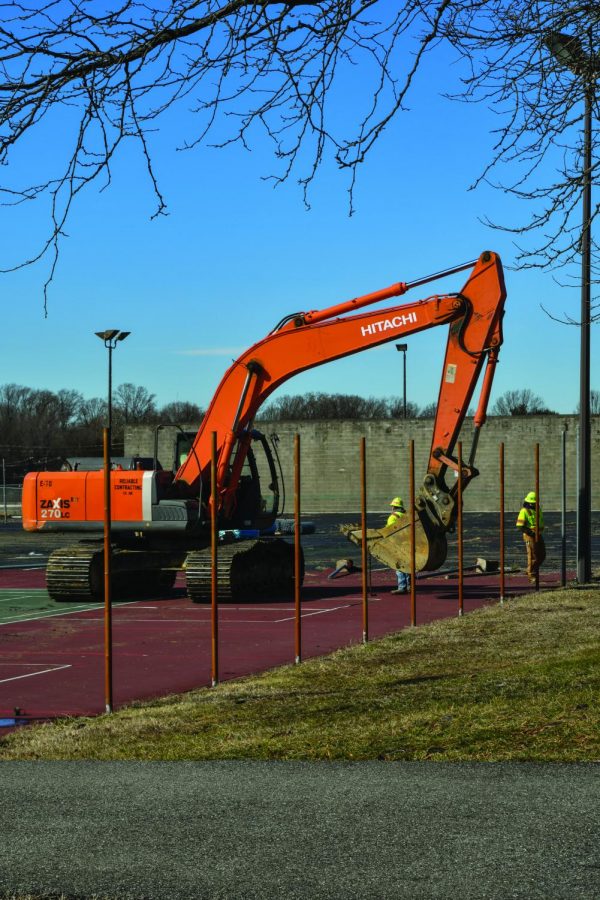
(104,73)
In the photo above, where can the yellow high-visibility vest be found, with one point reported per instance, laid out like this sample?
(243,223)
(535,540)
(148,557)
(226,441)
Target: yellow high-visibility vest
(526,518)
(393,519)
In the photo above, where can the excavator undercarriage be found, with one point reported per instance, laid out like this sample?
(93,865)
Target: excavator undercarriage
(245,570)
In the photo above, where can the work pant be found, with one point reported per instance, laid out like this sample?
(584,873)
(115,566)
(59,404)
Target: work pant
(536,554)
(403,580)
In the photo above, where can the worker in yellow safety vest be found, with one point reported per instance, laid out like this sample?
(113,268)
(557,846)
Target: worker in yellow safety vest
(526,521)
(397,513)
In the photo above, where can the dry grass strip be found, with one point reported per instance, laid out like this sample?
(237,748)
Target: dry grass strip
(513,682)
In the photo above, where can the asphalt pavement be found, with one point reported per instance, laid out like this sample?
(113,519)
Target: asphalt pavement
(300,830)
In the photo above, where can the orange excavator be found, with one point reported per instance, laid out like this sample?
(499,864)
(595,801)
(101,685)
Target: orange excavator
(161,521)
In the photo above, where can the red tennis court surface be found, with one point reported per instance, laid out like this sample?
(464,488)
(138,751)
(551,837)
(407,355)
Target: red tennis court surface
(54,666)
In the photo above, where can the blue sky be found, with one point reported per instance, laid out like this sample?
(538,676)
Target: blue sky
(235,255)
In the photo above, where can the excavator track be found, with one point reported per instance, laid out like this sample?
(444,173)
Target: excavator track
(245,571)
(76,574)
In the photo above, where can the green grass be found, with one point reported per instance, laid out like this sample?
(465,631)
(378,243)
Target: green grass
(513,682)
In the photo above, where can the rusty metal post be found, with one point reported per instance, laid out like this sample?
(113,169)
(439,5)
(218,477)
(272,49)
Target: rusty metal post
(214,581)
(460,533)
(108,663)
(537,512)
(297,578)
(502,545)
(563,518)
(364,557)
(413,513)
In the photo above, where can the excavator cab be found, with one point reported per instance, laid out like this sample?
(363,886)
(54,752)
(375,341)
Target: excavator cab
(257,494)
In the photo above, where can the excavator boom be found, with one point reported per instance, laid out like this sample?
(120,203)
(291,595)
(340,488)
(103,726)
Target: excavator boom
(305,340)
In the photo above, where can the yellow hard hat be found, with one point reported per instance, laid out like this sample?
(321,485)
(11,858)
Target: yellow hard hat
(530,498)
(397,501)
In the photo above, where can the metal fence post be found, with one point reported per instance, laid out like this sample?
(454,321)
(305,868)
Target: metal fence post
(413,564)
(297,577)
(214,585)
(537,513)
(563,519)
(108,660)
(502,545)
(460,533)
(365,564)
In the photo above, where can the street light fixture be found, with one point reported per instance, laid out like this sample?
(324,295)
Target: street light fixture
(567,50)
(403,348)
(110,338)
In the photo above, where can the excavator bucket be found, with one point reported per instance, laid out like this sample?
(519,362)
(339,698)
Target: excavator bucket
(391,545)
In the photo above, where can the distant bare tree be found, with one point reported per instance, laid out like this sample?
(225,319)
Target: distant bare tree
(68,404)
(520,403)
(107,73)
(14,400)
(93,413)
(133,405)
(181,412)
(428,411)
(395,409)
(594,404)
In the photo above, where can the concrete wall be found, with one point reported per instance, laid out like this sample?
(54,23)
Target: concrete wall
(330,459)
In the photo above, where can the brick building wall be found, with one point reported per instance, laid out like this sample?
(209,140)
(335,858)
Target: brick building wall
(330,459)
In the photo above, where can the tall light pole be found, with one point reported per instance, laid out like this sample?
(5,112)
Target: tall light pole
(568,51)
(110,338)
(403,348)
(155,461)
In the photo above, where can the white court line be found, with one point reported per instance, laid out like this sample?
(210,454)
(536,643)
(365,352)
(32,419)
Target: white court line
(13,599)
(21,592)
(26,665)
(316,612)
(22,617)
(305,615)
(16,590)
(222,621)
(32,674)
(227,607)
(16,620)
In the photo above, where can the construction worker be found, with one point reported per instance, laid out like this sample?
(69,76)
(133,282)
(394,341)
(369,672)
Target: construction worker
(397,513)
(536,550)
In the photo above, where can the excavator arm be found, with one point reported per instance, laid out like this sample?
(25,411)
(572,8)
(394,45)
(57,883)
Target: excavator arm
(304,340)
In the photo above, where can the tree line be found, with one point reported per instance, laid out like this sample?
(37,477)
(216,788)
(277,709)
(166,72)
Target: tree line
(522,402)
(40,428)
